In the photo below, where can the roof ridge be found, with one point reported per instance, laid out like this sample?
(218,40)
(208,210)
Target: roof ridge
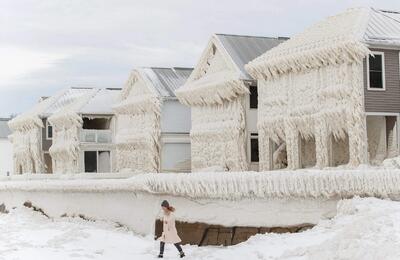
(156,67)
(253,36)
(388,11)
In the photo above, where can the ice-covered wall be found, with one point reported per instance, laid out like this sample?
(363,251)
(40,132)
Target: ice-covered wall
(216,95)
(64,150)
(280,198)
(138,127)
(26,141)
(218,136)
(318,104)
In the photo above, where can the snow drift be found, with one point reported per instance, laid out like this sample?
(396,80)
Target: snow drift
(362,229)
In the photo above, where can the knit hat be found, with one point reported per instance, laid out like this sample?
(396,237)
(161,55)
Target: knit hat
(165,204)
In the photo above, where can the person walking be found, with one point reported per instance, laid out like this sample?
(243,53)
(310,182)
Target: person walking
(169,234)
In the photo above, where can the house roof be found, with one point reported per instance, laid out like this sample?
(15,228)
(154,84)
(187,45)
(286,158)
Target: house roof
(383,27)
(166,80)
(334,40)
(4,129)
(244,48)
(68,97)
(80,100)
(101,103)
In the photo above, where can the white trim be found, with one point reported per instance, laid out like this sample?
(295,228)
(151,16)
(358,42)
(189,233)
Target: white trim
(398,133)
(382,114)
(181,138)
(47,131)
(383,72)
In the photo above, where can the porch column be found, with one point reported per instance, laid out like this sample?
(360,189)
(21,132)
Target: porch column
(322,144)
(292,148)
(356,119)
(358,141)
(265,152)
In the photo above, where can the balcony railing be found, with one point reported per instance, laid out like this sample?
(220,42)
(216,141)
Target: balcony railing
(96,136)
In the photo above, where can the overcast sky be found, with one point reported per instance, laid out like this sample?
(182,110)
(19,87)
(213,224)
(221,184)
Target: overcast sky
(47,45)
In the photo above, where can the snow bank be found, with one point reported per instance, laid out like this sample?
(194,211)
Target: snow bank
(363,229)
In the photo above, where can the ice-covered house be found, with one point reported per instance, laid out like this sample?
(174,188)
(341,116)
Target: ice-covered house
(69,132)
(331,94)
(152,125)
(6,154)
(223,100)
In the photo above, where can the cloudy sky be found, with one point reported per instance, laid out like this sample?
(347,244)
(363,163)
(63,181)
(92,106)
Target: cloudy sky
(47,45)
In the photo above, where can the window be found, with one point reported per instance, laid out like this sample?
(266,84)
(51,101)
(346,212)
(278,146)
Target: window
(254,148)
(376,71)
(49,131)
(253,97)
(97,161)
(90,161)
(96,123)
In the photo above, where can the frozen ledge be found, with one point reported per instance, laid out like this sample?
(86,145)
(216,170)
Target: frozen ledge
(382,183)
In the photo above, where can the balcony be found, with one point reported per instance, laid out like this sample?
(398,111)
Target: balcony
(96,136)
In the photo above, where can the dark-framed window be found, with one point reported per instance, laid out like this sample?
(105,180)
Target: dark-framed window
(90,158)
(376,71)
(49,131)
(254,148)
(253,97)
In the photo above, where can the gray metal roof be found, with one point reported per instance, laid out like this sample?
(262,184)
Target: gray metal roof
(101,103)
(244,48)
(167,80)
(383,27)
(4,129)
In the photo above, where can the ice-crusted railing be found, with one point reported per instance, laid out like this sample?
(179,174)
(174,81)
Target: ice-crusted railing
(381,183)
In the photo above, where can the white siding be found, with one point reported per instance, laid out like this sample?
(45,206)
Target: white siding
(175,117)
(6,157)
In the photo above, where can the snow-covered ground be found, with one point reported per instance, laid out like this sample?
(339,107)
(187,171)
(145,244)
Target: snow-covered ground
(363,229)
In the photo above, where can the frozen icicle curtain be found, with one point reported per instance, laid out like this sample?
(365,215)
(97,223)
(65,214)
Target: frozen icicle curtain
(212,89)
(138,134)
(65,148)
(317,103)
(26,140)
(218,136)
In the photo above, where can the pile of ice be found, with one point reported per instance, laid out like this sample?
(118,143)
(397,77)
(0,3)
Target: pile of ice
(392,163)
(363,229)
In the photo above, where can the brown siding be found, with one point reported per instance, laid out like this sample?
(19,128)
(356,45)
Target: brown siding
(388,100)
(45,143)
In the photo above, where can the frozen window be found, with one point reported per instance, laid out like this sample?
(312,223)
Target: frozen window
(96,123)
(97,161)
(254,148)
(90,161)
(376,71)
(49,131)
(253,97)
